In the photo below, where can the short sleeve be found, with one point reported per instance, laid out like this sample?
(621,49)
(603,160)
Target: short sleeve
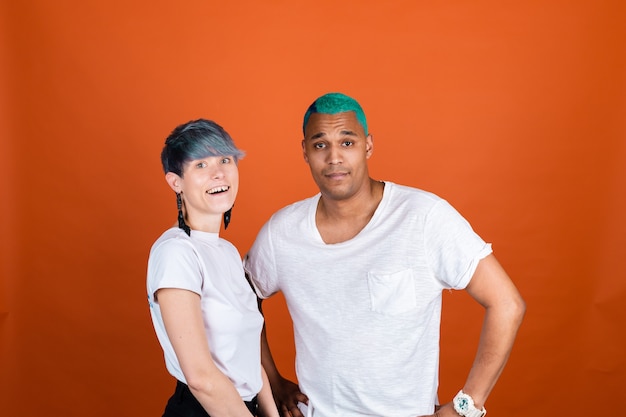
(260,266)
(452,247)
(174,264)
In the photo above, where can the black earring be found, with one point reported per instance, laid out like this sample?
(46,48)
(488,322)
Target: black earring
(181,218)
(227,217)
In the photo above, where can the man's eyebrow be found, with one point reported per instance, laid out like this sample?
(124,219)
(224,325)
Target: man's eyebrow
(317,136)
(342,132)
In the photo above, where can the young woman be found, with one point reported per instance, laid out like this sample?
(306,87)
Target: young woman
(204,311)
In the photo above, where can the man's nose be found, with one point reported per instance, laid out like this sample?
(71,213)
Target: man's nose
(334,155)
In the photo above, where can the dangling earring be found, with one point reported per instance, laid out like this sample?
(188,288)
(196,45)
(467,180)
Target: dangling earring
(181,218)
(227,217)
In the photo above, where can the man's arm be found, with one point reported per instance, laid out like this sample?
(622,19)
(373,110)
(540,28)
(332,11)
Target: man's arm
(504,307)
(286,393)
(267,407)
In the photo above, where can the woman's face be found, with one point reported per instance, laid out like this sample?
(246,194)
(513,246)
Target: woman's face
(209,187)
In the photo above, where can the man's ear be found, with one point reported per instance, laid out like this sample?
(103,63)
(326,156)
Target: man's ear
(173,180)
(369,146)
(306,158)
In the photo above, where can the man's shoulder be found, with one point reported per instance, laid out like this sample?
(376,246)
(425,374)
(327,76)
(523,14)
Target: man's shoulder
(406,192)
(294,210)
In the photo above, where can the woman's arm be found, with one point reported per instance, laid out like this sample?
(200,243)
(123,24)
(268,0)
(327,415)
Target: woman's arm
(182,317)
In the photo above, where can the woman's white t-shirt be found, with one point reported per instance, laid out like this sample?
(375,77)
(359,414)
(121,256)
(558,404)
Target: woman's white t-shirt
(211,267)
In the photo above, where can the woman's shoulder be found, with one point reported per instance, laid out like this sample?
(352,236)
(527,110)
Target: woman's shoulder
(173,239)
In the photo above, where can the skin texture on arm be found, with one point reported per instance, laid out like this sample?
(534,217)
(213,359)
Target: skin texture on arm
(504,308)
(286,393)
(182,317)
(267,408)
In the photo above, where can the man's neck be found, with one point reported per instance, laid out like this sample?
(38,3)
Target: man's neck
(341,220)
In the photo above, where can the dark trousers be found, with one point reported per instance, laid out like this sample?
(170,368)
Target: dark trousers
(184,404)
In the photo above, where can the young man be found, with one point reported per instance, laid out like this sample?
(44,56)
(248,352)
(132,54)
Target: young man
(362,266)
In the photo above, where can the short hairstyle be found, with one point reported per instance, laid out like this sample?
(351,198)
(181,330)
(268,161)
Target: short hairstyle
(333,103)
(196,139)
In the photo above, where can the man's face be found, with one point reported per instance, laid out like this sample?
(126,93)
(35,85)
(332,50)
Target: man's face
(337,150)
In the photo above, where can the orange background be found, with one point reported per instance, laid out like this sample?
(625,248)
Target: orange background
(515,113)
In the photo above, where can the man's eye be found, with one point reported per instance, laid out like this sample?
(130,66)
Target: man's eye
(319,145)
(348,143)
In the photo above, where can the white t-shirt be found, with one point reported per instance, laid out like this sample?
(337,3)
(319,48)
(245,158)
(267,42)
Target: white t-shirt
(367,311)
(211,267)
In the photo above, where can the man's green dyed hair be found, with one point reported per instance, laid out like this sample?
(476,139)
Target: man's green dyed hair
(333,103)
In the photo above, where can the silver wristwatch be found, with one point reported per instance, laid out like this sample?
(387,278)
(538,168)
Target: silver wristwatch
(464,405)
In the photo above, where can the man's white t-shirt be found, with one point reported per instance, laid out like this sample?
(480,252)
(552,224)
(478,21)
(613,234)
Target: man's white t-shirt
(211,267)
(367,311)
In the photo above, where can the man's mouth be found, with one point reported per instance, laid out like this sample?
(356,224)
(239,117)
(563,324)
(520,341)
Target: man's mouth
(220,189)
(335,174)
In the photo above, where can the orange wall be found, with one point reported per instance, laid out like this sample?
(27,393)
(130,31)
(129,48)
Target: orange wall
(513,112)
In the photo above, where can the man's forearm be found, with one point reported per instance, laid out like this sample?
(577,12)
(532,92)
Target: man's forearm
(267,360)
(496,342)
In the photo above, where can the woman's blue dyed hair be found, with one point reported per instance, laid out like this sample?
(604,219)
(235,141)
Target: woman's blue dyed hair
(333,103)
(196,139)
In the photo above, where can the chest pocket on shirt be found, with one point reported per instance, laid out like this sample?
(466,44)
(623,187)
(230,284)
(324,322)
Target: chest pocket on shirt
(392,293)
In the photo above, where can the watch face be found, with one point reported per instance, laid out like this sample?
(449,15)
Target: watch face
(463,404)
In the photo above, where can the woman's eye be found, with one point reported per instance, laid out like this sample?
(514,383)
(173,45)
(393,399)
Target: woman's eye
(225,160)
(201,164)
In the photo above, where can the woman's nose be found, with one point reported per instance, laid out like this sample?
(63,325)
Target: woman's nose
(218,171)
